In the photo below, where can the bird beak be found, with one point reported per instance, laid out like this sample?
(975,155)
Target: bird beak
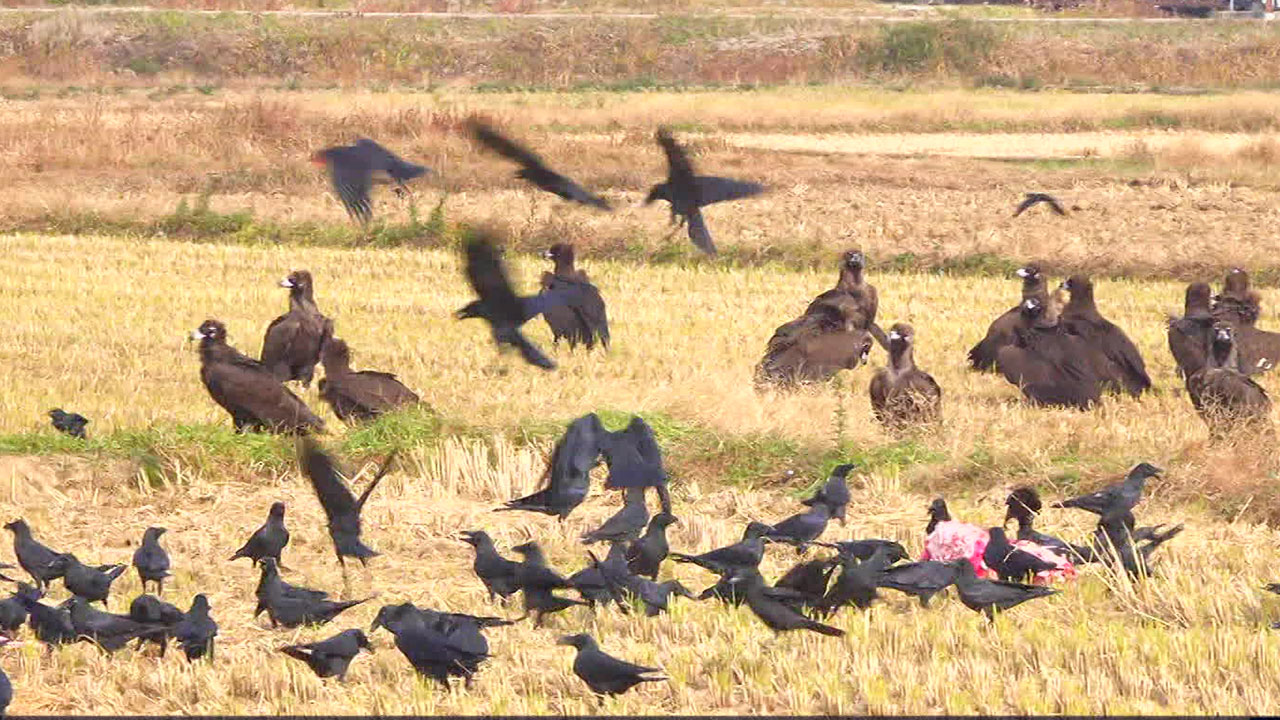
(547,255)
(1066,285)
(895,335)
(566,640)
(196,335)
(286,283)
(1023,273)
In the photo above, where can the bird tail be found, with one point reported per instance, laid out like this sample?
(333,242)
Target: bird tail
(818,627)
(295,651)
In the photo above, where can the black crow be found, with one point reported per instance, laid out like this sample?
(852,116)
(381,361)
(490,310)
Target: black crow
(858,580)
(268,540)
(532,167)
(901,394)
(291,345)
(645,555)
(537,581)
(920,579)
(656,596)
(51,625)
(109,631)
(196,631)
(1034,198)
(498,304)
(575,453)
(498,574)
(774,612)
(711,190)
(292,609)
(585,321)
(1010,562)
(983,355)
(834,493)
(1228,400)
(603,673)
(1081,317)
(358,396)
(1023,505)
(684,191)
(150,560)
(987,596)
(624,525)
(40,562)
(340,506)
(353,169)
(802,528)
(72,424)
(331,657)
(1118,499)
(1190,335)
(92,583)
(246,389)
(635,460)
(746,553)
(864,549)
(13,611)
(150,610)
(808,578)
(438,645)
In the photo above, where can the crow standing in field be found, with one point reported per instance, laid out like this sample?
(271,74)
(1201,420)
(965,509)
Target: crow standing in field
(292,343)
(13,612)
(150,610)
(196,631)
(331,657)
(72,424)
(51,625)
(803,528)
(498,304)
(150,560)
(987,596)
(922,579)
(246,389)
(267,541)
(340,506)
(438,645)
(40,562)
(109,631)
(903,395)
(1031,199)
(688,193)
(1190,335)
(358,396)
(746,553)
(291,607)
(585,321)
(532,168)
(1010,562)
(1081,317)
(645,555)
(858,581)
(1228,400)
(537,581)
(624,525)
(498,574)
(603,673)
(92,583)
(1116,500)
(983,355)
(568,472)
(353,170)
(775,613)
(834,493)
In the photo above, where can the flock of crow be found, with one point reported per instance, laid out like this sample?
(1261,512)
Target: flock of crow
(1055,347)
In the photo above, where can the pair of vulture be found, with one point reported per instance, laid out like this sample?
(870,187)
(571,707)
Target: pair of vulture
(1061,354)
(253,391)
(835,333)
(1217,347)
(354,169)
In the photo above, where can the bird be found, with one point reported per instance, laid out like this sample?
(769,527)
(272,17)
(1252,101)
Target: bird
(150,560)
(603,673)
(988,596)
(150,610)
(291,345)
(293,608)
(775,613)
(922,579)
(51,625)
(1237,305)
(809,579)
(498,574)
(1049,365)
(1010,562)
(109,631)
(72,424)
(624,525)
(746,553)
(499,306)
(353,170)
(537,581)
(1033,198)
(568,471)
(802,528)
(1190,335)
(1115,542)
(656,596)
(532,167)
(684,191)
(858,581)
(358,396)
(834,493)
(196,631)
(1023,504)
(92,583)
(6,687)
(903,395)
(1081,318)
(864,549)
(634,460)
(341,507)
(331,657)
(40,562)
(13,612)
(585,321)
(438,646)
(645,554)
(1228,400)
(269,540)
(982,357)
(1118,499)
(947,539)
(246,389)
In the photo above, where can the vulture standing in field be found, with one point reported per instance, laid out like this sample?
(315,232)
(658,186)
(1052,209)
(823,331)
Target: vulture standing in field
(1049,365)
(1190,335)
(833,334)
(983,355)
(1226,398)
(1081,317)
(245,388)
(902,394)
(583,321)
(291,346)
(358,396)
(532,168)
(353,170)
(1239,307)
(688,193)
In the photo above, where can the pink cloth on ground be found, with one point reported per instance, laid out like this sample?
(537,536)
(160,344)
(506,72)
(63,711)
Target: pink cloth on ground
(1065,570)
(951,540)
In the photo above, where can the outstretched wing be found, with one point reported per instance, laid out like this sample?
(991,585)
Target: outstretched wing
(713,189)
(352,177)
(699,233)
(326,480)
(495,141)
(488,277)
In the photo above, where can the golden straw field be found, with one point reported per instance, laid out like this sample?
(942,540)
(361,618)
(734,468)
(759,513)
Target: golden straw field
(135,210)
